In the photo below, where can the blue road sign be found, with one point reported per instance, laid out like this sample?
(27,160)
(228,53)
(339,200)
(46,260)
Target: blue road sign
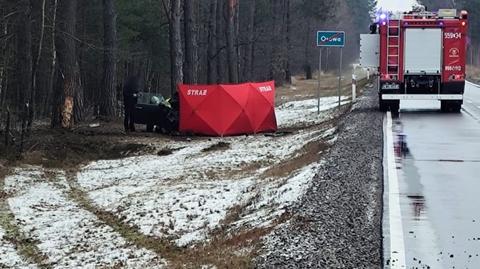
(330,39)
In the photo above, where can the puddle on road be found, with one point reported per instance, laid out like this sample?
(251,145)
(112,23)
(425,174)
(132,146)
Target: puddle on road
(400,140)
(449,161)
(452,161)
(418,206)
(414,188)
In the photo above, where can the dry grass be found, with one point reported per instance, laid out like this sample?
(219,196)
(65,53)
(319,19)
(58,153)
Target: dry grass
(165,152)
(65,150)
(228,249)
(220,146)
(307,155)
(302,89)
(225,251)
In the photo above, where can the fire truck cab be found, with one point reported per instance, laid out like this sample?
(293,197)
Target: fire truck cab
(419,55)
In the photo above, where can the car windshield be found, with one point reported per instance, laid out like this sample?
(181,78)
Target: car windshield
(150,98)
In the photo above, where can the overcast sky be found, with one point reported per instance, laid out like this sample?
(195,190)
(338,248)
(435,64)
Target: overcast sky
(396,5)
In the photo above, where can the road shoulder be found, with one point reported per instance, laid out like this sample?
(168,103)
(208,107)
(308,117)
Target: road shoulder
(337,223)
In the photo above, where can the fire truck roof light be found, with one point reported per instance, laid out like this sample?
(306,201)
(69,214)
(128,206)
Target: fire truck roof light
(464,23)
(383,16)
(384,23)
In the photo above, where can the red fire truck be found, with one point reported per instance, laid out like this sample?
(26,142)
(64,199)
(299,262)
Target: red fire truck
(419,55)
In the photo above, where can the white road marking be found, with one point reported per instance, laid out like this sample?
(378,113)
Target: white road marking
(397,245)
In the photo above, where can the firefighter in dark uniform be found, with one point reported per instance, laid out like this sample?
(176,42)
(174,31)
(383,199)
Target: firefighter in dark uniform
(130,98)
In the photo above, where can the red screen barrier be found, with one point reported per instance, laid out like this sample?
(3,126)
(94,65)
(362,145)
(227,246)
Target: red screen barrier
(222,110)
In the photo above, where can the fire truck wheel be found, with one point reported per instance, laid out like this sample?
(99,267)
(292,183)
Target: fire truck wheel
(444,106)
(383,106)
(395,106)
(451,106)
(149,128)
(456,107)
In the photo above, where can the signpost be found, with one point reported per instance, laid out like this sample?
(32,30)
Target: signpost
(330,39)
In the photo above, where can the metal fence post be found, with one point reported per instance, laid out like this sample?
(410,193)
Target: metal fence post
(319,74)
(340,78)
(354,87)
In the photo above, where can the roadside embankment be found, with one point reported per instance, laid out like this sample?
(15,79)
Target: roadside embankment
(337,224)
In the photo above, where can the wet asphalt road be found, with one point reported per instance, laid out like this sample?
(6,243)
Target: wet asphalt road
(439,181)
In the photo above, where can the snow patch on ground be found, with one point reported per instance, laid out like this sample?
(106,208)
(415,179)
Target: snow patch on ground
(187,194)
(303,112)
(69,235)
(143,169)
(111,180)
(187,205)
(9,257)
(185,212)
(276,197)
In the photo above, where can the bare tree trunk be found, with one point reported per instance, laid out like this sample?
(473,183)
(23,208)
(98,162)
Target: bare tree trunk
(277,71)
(7,128)
(288,74)
(79,100)
(108,93)
(231,54)
(237,42)
(4,68)
(24,57)
(71,99)
(4,81)
(212,42)
(35,67)
(220,59)
(190,40)
(306,65)
(176,52)
(249,53)
(53,66)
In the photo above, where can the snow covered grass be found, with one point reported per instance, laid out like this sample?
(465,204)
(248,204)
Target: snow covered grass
(175,196)
(186,194)
(305,112)
(275,197)
(69,235)
(9,258)
(186,212)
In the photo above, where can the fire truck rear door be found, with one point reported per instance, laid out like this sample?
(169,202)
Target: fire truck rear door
(423,51)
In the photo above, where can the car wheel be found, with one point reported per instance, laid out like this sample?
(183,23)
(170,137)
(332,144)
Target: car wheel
(149,128)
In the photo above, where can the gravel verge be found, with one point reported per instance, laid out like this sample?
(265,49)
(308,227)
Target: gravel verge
(337,224)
